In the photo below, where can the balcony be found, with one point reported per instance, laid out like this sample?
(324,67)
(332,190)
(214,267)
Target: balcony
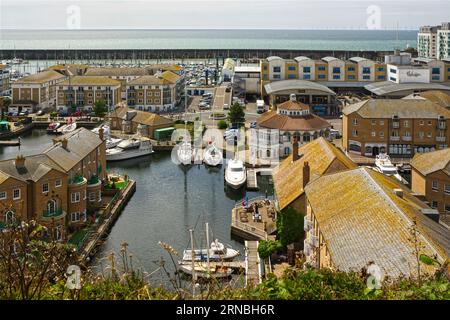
(442,126)
(78,180)
(52,214)
(395,124)
(407,138)
(440,139)
(395,138)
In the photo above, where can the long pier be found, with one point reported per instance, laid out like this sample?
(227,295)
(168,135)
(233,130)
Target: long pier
(253,265)
(180,54)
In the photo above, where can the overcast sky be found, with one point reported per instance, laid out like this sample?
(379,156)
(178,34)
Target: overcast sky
(228,14)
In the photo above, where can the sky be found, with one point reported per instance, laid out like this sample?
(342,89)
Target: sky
(222,14)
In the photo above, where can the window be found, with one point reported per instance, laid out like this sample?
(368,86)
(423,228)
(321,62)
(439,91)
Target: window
(435,185)
(2,195)
(292,76)
(355,122)
(381,122)
(380,68)
(355,133)
(85,195)
(393,79)
(57,233)
(366,70)
(265,68)
(321,68)
(276,69)
(16,194)
(44,187)
(447,188)
(291,68)
(381,134)
(434,204)
(336,76)
(321,76)
(307,76)
(374,122)
(393,70)
(351,68)
(306,69)
(51,206)
(381,77)
(435,71)
(75,216)
(75,197)
(351,76)
(336,70)
(276,76)
(429,135)
(429,122)
(421,134)
(10,217)
(447,208)
(421,122)
(406,123)
(91,196)
(366,77)
(374,134)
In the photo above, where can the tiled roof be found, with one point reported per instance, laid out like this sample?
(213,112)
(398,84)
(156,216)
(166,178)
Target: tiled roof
(147,80)
(293,105)
(90,80)
(288,175)
(3,177)
(170,76)
(80,143)
(35,167)
(439,97)
(142,117)
(386,108)
(430,162)
(362,220)
(117,72)
(41,77)
(273,120)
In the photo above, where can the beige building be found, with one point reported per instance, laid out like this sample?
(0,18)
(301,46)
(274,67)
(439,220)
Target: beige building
(156,93)
(4,80)
(430,177)
(36,91)
(359,218)
(131,121)
(306,164)
(82,92)
(400,128)
(58,187)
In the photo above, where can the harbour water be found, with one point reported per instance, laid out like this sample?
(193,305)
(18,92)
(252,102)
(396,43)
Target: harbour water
(169,199)
(377,40)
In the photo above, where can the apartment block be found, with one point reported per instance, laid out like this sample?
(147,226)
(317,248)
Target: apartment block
(398,127)
(4,80)
(56,188)
(82,92)
(36,91)
(443,42)
(426,41)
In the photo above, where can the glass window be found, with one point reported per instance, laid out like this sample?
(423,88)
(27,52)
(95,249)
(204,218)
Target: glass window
(291,68)
(91,196)
(351,76)
(75,216)
(321,76)
(16,194)
(435,185)
(366,70)
(75,197)
(307,76)
(276,69)
(336,77)
(336,70)
(374,122)
(44,187)
(447,188)
(306,69)
(382,77)
(2,195)
(351,69)
(447,208)
(434,204)
(374,134)
(436,71)
(355,122)
(292,76)
(321,68)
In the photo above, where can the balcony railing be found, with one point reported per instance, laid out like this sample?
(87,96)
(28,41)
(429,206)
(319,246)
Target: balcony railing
(406,138)
(395,138)
(440,139)
(442,125)
(93,180)
(395,124)
(51,214)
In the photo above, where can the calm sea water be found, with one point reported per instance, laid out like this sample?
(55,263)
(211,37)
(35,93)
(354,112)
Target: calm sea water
(169,199)
(208,39)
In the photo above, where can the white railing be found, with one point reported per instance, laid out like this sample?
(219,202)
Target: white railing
(406,138)
(440,139)
(395,138)
(260,198)
(247,227)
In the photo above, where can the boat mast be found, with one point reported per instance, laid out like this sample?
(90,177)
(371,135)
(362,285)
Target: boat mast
(194,277)
(207,244)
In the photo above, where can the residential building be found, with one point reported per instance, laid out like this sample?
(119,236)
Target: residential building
(82,92)
(359,219)
(426,42)
(399,127)
(132,121)
(306,164)
(56,188)
(439,97)
(71,69)
(443,41)
(5,86)
(291,121)
(430,177)
(157,93)
(36,91)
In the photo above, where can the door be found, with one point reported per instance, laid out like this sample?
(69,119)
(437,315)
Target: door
(375,151)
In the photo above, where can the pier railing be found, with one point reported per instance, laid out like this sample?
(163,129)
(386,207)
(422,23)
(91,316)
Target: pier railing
(249,228)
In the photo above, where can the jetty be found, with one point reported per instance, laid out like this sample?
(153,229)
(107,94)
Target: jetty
(252,181)
(254,268)
(10,143)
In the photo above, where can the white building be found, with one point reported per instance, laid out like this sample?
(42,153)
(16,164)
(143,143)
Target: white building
(426,41)
(336,68)
(408,74)
(248,78)
(443,42)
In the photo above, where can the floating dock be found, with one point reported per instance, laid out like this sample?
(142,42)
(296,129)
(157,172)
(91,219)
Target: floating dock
(252,181)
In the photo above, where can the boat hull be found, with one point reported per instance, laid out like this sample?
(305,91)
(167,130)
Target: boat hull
(127,155)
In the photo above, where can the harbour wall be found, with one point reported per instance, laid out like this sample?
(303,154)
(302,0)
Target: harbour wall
(180,54)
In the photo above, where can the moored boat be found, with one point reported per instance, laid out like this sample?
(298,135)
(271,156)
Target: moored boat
(69,128)
(384,165)
(212,156)
(184,153)
(53,127)
(235,174)
(217,252)
(118,153)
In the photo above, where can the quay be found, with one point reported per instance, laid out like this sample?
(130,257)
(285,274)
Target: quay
(11,143)
(247,224)
(111,213)
(15,133)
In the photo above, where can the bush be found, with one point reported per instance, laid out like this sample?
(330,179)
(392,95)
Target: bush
(267,247)
(222,124)
(289,226)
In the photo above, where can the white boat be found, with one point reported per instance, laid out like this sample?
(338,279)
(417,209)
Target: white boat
(235,174)
(131,143)
(53,127)
(384,165)
(112,142)
(217,252)
(184,153)
(69,128)
(106,130)
(118,153)
(213,156)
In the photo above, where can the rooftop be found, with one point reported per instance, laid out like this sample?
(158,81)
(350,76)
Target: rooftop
(403,108)
(363,220)
(284,85)
(274,120)
(117,72)
(288,175)
(439,97)
(34,168)
(388,87)
(142,117)
(427,163)
(247,69)
(90,81)
(41,77)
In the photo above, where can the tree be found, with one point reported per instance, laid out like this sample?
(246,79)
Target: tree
(100,108)
(222,124)
(267,247)
(289,226)
(236,115)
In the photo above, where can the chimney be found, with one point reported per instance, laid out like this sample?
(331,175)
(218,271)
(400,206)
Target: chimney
(100,133)
(20,161)
(306,173)
(64,143)
(293,97)
(295,155)
(398,192)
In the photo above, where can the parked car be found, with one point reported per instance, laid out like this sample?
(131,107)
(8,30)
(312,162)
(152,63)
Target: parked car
(226,106)
(253,125)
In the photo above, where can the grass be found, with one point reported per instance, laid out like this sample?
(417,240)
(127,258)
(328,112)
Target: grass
(120,185)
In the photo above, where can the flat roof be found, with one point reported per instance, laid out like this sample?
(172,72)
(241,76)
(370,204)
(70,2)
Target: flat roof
(388,87)
(247,69)
(283,85)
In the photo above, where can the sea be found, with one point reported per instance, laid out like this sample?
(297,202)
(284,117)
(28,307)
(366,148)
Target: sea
(364,40)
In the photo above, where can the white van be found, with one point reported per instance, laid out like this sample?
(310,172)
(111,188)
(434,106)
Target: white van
(260,106)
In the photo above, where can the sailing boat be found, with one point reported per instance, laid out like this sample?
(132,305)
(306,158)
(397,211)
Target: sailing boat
(213,156)
(184,151)
(199,269)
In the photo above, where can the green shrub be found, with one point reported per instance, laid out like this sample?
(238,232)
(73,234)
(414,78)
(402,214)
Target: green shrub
(222,124)
(267,247)
(289,226)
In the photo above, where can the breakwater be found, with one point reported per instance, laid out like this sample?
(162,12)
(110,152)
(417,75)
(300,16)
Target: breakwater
(180,54)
